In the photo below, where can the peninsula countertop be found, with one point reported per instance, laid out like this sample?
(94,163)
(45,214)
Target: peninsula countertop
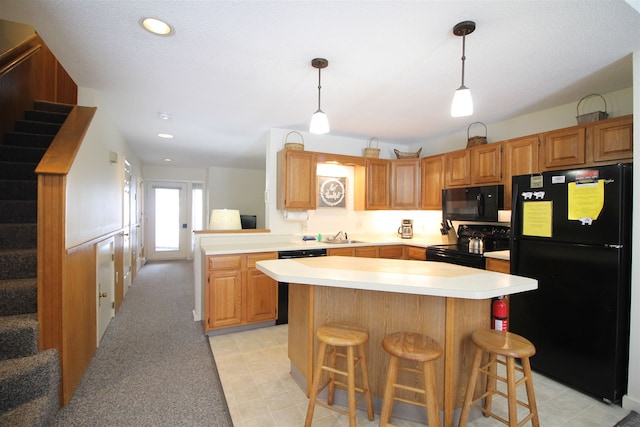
(394,275)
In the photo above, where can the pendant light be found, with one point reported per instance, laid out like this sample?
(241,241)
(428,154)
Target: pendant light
(462,104)
(319,121)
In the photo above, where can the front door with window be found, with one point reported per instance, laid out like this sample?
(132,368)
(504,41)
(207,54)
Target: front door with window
(167,229)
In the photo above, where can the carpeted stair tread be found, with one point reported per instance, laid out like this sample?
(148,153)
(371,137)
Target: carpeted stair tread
(18,336)
(24,139)
(45,116)
(12,211)
(19,189)
(19,236)
(37,127)
(18,263)
(18,170)
(36,413)
(26,379)
(18,296)
(52,106)
(10,153)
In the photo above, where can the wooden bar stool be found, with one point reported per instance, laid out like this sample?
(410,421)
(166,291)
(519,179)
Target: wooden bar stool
(511,346)
(345,337)
(410,346)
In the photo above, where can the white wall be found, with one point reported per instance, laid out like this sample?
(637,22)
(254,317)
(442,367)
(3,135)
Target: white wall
(619,103)
(94,184)
(632,399)
(242,189)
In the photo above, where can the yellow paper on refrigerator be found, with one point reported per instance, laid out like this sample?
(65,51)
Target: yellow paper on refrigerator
(585,200)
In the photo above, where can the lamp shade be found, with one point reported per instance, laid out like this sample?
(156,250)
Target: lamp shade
(225,219)
(462,104)
(319,123)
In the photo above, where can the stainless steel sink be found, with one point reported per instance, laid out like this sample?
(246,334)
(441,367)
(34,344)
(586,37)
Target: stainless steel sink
(340,241)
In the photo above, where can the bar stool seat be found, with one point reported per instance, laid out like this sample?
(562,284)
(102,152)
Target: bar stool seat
(410,346)
(510,346)
(346,337)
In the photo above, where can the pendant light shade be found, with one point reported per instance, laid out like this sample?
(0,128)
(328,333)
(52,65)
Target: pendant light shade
(462,104)
(319,121)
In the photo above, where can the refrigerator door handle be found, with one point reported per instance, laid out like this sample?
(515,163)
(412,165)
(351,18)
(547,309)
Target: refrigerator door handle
(614,246)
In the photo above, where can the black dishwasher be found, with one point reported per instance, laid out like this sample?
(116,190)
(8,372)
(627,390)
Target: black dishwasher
(283,288)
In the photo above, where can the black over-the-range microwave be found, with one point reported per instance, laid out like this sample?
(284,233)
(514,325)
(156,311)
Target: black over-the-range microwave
(473,203)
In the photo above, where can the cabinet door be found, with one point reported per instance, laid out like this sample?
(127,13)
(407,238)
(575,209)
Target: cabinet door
(224,298)
(613,140)
(520,158)
(261,297)
(486,164)
(377,187)
(405,184)
(432,169)
(297,180)
(458,168)
(564,148)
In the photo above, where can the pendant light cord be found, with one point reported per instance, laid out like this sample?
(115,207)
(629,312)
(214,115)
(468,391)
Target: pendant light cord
(319,87)
(464,36)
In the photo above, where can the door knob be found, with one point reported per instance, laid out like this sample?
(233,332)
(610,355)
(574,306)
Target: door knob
(103,295)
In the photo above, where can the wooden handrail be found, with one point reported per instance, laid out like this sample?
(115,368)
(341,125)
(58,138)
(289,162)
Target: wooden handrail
(19,60)
(62,151)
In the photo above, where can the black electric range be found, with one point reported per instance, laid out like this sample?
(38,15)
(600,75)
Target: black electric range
(495,238)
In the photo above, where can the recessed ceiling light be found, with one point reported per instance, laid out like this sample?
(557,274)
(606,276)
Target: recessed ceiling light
(164,116)
(167,159)
(156,26)
(165,135)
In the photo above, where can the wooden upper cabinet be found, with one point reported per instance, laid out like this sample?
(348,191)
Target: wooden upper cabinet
(377,184)
(486,164)
(520,157)
(432,169)
(405,184)
(564,148)
(297,180)
(613,139)
(457,168)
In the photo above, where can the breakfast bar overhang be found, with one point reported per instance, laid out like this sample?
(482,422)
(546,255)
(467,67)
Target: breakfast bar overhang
(444,301)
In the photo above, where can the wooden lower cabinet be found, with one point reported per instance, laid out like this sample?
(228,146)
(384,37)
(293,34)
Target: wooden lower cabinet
(237,293)
(392,251)
(499,265)
(416,253)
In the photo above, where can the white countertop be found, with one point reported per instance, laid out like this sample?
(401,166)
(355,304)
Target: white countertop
(393,275)
(275,243)
(505,255)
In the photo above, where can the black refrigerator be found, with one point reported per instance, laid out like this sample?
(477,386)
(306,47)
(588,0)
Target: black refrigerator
(571,230)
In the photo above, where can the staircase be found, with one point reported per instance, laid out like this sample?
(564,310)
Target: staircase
(29,379)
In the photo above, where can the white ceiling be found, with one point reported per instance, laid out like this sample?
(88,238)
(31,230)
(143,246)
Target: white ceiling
(234,69)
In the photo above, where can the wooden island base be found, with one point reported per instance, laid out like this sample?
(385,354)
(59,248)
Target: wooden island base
(448,320)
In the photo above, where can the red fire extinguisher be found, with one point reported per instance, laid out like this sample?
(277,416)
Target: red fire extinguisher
(499,314)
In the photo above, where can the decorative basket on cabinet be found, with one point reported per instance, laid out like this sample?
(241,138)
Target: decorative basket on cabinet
(293,145)
(472,141)
(594,116)
(370,151)
(407,155)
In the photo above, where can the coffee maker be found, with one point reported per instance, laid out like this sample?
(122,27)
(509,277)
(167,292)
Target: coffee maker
(406,229)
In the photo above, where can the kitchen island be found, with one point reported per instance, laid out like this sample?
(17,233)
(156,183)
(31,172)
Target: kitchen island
(445,301)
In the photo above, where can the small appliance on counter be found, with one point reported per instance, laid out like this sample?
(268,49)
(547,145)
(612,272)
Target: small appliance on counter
(406,229)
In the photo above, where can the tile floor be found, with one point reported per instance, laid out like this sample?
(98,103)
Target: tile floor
(254,370)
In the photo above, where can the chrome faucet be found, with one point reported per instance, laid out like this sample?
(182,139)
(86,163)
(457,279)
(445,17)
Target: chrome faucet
(340,233)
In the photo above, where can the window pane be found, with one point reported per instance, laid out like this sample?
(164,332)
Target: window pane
(167,219)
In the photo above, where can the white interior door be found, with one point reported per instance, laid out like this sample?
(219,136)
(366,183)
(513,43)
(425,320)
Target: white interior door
(126,215)
(168,229)
(106,285)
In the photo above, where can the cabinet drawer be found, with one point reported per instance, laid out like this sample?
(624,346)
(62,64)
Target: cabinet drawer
(499,265)
(396,252)
(253,258)
(225,262)
(416,253)
(367,252)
